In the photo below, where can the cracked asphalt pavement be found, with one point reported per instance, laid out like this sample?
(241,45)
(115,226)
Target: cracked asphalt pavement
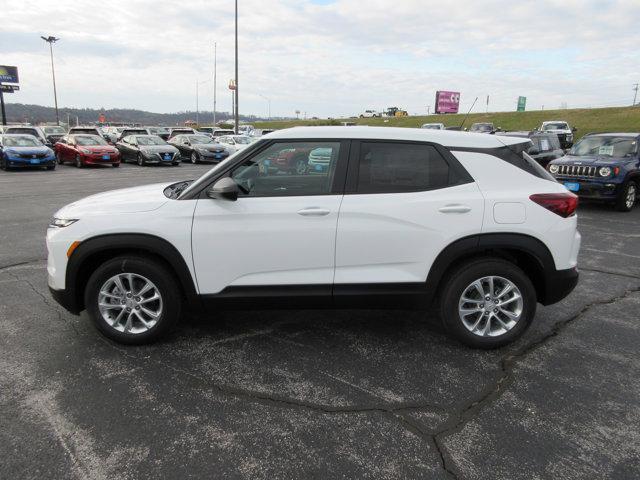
(313,394)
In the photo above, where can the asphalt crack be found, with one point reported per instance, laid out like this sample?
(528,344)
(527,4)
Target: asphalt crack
(507,364)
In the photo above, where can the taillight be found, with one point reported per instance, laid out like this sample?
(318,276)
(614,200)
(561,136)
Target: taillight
(563,204)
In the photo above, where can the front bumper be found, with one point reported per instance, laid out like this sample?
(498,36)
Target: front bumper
(17,162)
(593,190)
(66,300)
(98,160)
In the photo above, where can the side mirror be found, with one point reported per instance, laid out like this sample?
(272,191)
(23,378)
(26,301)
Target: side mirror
(225,188)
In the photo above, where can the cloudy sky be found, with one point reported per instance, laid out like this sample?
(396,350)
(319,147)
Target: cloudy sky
(325,57)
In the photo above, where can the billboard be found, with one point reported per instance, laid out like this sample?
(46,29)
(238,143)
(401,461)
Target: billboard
(522,104)
(447,102)
(8,74)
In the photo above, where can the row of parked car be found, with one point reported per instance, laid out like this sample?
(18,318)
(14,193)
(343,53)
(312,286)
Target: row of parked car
(45,147)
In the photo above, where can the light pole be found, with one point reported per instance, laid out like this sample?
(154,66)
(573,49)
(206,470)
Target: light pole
(237,116)
(198,99)
(268,104)
(215,79)
(51,40)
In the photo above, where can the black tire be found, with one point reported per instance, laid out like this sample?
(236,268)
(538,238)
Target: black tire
(194,158)
(627,197)
(140,160)
(59,158)
(51,167)
(115,165)
(3,164)
(459,279)
(301,166)
(78,162)
(165,283)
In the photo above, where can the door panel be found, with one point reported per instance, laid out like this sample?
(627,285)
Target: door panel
(264,241)
(409,201)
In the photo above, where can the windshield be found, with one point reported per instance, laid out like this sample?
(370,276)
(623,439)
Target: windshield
(26,131)
(606,146)
(150,141)
(242,140)
(26,141)
(54,130)
(481,127)
(87,140)
(198,139)
(556,126)
(545,143)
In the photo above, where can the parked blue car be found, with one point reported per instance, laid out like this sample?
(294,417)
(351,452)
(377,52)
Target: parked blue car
(603,166)
(20,151)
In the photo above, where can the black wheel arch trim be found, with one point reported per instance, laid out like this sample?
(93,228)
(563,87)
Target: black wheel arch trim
(490,243)
(122,242)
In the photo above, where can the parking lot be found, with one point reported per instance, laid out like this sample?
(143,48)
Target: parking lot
(313,394)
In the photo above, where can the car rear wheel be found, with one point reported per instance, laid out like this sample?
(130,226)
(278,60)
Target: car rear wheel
(627,197)
(133,299)
(194,158)
(141,161)
(487,303)
(79,163)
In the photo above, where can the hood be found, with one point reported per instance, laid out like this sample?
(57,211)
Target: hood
(29,150)
(127,200)
(158,148)
(600,160)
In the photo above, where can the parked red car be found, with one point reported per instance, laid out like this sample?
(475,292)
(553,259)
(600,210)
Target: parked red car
(292,160)
(85,150)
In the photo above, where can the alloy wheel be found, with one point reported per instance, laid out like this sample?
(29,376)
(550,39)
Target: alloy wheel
(194,157)
(130,303)
(490,306)
(78,161)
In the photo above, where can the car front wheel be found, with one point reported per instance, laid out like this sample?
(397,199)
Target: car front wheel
(627,197)
(487,303)
(59,158)
(79,163)
(194,158)
(133,299)
(141,161)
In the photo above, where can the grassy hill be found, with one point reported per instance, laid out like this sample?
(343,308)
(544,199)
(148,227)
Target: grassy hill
(618,119)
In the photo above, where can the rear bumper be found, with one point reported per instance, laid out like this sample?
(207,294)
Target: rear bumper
(560,284)
(66,300)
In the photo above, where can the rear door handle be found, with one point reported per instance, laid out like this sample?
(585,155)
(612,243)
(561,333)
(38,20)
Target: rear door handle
(455,209)
(313,212)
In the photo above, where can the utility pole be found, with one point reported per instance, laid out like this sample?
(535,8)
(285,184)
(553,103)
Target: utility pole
(197,106)
(635,95)
(51,40)
(268,106)
(215,79)
(237,116)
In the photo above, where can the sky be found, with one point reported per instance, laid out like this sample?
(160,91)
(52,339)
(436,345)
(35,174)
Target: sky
(325,58)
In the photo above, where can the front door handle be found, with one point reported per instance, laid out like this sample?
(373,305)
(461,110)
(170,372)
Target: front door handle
(313,212)
(455,209)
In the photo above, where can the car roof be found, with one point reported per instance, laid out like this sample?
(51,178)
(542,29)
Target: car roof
(614,134)
(447,138)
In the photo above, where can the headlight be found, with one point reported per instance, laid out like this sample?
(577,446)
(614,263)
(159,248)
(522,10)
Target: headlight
(554,168)
(61,222)
(604,171)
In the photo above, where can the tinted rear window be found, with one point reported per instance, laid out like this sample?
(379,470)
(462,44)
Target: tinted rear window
(397,167)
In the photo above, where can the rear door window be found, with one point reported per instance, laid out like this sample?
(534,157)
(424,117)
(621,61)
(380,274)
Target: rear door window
(402,167)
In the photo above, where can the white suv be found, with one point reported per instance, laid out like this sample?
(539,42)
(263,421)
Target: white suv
(396,218)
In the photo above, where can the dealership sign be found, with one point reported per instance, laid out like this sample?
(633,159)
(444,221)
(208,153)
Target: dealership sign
(522,104)
(9,88)
(8,74)
(447,102)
